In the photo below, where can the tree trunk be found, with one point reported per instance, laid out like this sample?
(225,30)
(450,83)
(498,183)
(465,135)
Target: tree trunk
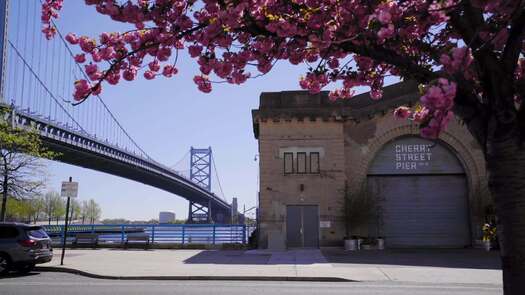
(506,167)
(4,199)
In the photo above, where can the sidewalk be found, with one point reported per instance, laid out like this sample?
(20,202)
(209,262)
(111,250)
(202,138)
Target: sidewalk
(422,266)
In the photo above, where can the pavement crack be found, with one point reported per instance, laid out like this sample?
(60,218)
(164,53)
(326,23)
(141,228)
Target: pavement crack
(385,274)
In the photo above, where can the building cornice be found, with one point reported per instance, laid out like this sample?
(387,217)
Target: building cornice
(301,105)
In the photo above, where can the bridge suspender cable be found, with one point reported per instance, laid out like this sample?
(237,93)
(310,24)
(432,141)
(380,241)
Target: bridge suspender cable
(99,98)
(180,161)
(218,179)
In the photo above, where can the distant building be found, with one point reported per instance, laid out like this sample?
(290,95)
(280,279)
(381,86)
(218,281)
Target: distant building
(166,217)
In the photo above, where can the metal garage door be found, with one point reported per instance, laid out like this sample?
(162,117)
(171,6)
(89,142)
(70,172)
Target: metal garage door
(422,192)
(423,211)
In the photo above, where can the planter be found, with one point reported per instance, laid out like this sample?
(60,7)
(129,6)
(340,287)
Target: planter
(351,245)
(487,245)
(380,244)
(359,242)
(367,247)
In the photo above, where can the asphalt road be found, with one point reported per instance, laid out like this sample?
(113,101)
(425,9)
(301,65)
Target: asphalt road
(48,283)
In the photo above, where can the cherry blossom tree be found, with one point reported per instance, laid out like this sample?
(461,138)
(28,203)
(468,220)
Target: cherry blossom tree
(468,56)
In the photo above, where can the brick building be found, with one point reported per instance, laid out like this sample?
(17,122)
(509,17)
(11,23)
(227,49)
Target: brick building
(429,193)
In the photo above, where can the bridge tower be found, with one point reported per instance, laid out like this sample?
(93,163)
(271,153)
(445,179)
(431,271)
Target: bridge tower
(200,173)
(200,167)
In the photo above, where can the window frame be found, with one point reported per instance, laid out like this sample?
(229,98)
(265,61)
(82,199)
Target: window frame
(284,163)
(318,163)
(305,162)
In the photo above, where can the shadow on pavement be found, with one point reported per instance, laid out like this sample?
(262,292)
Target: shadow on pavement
(261,257)
(228,257)
(18,275)
(453,258)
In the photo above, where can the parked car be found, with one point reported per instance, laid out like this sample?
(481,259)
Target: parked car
(22,246)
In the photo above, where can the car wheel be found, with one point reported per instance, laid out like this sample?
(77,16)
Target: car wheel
(25,268)
(5,264)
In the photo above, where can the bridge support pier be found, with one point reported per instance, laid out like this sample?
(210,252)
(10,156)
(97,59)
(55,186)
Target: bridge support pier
(198,213)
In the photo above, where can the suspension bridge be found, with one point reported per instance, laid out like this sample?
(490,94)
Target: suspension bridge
(37,78)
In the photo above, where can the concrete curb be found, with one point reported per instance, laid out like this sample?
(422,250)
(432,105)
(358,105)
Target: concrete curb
(191,278)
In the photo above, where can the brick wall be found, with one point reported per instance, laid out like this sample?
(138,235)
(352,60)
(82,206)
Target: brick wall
(324,189)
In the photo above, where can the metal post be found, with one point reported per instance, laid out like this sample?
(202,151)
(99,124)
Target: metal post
(190,213)
(210,220)
(65,229)
(214,226)
(122,234)
(183,230)
(153,234)
(4,11)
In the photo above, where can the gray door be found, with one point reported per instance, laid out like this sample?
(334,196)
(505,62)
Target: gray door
(302,226)
(294,220)
(310,226)
(423,210)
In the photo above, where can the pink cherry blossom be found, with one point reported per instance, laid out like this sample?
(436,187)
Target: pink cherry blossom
(169,71)
(72,38)
(345,43)
(154,66)
(203,83)
(129,74)
(80,58)
(149,75)
(402,112)
(82,89)
(459,59)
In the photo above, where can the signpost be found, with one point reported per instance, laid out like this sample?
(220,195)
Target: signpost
(69,190)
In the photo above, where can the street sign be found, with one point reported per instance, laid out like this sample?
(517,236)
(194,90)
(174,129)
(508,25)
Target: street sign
(69,189)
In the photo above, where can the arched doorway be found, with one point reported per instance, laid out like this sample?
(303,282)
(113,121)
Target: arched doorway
(422,191)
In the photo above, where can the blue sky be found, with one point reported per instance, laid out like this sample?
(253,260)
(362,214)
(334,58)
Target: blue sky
(166,117)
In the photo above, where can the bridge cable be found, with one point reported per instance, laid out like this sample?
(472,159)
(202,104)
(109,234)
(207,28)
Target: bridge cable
(43,85)
(218,179)
(180,161)
(98,96)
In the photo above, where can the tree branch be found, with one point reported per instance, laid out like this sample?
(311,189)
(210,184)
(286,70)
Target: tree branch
(381,54)
(513,48)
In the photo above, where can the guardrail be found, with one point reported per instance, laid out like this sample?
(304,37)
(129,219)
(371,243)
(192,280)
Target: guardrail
(209,234)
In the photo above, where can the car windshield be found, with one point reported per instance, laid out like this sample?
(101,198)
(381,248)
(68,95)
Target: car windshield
(37,233)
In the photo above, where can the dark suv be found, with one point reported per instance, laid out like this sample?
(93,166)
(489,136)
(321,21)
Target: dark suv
(22,246)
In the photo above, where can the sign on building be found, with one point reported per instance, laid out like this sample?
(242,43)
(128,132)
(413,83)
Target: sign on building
(415,155)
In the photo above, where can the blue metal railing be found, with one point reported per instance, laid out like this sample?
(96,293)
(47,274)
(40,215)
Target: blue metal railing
(209,234)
